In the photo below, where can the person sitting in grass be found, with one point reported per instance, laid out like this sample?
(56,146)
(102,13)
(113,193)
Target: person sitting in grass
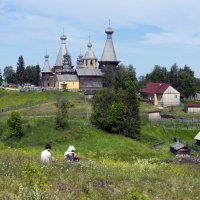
(46,155)
(70,156)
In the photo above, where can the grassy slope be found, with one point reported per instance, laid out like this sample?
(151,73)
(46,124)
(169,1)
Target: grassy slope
(16,98)
(91,143)
(112,167)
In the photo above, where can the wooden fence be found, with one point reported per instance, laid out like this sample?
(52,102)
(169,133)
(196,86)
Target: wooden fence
(192,145)
(22,106)
(188,124)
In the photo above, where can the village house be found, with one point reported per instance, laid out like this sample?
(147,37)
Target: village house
(192,108)
(197,138)
(161,94)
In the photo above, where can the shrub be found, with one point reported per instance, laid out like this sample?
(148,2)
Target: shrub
(1,128)
(101,102)
(114,120)
(15,125)
(63,106)
(35,178)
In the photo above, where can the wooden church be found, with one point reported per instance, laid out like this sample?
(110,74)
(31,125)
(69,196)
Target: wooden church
(88,72)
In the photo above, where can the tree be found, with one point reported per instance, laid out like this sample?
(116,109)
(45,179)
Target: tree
(114,119)
(15,125)
(63,106)
(9,74)
(37,75)
(128,93)
(142,81)
(33,74)
(173,75)
(108,77)
(116,110)
(132,117)
(186,83)
(1,78)
(124,76)
(20,73)
(101,102)
(198,85)
(158,75)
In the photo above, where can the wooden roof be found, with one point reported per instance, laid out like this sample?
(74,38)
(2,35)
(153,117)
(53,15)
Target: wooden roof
(155,88)
(67,78)
(191,105)
(154,111)
(197,137)
(88,72)
(177,145)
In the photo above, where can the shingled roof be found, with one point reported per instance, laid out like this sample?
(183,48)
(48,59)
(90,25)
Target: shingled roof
(177,145)
(155,88)
(109,50)
(88,72)
(67,77)
(62,51)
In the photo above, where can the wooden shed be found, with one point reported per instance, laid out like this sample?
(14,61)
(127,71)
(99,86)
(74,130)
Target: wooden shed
(192,108)
(179,148)
(197,138)
(154,115)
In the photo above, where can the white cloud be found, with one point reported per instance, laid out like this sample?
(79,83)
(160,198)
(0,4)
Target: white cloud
(40,23)
(173,39)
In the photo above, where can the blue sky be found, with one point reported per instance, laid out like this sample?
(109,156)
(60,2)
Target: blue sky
(147,32)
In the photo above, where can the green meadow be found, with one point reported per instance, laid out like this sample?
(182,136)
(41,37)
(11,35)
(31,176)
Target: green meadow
(111,166)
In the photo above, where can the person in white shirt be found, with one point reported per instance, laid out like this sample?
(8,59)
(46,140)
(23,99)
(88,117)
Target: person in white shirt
(46,154)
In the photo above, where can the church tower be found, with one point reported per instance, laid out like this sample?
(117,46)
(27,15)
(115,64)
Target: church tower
(47,74)
(60,57)
(108,57)
(89,60)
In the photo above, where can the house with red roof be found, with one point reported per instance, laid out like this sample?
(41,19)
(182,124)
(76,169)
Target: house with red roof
(162,94)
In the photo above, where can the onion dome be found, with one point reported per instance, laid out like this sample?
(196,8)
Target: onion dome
(46,67)
(89,53)
(109,30)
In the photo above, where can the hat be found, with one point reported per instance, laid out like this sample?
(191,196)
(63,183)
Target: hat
(48,146)
(71,148)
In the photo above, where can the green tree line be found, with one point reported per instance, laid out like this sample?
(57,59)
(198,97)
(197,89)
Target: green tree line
(29,74)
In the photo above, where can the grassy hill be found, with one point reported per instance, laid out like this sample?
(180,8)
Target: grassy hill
(111,167)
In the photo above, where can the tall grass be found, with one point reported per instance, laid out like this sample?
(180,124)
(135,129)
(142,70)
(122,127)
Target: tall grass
(22,175)
(111,167)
